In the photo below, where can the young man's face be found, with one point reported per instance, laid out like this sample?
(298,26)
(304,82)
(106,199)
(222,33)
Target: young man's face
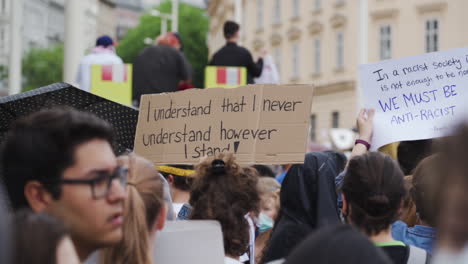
(94,223)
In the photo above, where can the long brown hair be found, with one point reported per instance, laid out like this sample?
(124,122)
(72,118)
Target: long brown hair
(226,192)
(142,206)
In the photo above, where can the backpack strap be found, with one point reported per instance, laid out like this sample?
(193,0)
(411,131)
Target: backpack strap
(417,256)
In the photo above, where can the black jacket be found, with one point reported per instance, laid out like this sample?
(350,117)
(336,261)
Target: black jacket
(158,69)
(308,202)
(233,55)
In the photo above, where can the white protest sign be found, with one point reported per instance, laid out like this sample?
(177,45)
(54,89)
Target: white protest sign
(416,97)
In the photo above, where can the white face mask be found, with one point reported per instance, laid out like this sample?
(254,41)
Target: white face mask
(444,256)
(264,223)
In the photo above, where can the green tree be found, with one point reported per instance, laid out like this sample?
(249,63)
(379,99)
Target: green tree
(42,67)
(193,27)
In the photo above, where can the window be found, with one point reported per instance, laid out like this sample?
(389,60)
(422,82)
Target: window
(432,35)
(317,56)
(259,14)
(335,120)
(277,58)
(313,127)
(339,50)
(277,12)
(385,42)
(318,4)
(295,8)
(295,60)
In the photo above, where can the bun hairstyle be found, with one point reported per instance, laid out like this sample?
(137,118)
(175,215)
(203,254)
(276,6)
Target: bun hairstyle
(374,188)
(218,167)
(226,192)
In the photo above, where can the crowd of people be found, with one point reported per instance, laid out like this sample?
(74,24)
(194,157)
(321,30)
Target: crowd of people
(163,67)
(69,199)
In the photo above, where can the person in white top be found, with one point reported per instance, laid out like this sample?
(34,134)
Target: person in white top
(180,179)
(102,54)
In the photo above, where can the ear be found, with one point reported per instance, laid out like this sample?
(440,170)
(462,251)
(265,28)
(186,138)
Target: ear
(37,196)
(170,179)
(161,219)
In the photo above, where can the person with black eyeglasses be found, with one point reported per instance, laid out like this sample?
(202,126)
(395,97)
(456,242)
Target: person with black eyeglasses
(61,162)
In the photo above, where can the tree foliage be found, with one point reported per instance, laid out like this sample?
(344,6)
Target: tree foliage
(193,27)
(42,67)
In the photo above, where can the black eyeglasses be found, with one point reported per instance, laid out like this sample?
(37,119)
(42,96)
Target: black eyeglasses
(100,185)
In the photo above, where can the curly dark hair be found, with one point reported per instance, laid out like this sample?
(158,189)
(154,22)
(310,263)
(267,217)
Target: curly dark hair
(226,192)
(374,188)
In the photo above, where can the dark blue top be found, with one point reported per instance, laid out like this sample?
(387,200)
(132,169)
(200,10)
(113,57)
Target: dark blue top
(418,236)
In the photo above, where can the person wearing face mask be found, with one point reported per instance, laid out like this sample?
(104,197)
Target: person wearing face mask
(269,206)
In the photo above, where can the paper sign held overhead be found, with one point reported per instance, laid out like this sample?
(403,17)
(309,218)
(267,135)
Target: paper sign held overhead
(417,97)
(259,123)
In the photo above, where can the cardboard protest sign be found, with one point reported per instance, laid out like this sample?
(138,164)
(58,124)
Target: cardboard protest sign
(113,82)
(260,123)
(417,97)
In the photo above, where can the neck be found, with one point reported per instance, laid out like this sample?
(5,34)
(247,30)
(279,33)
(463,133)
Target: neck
(179,196)
(83,251)
(232,41)
(383,236)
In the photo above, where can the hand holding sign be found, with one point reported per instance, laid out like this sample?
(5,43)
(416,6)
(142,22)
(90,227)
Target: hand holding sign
(415,98)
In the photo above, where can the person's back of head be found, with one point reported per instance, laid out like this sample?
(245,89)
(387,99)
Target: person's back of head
(41,238)
(41,146)
(144,213)
(224,191)
(180,176)
(423,178)
(169,39)
(373,190)
(337,244)
(410,153)
(104,41)
(230,30)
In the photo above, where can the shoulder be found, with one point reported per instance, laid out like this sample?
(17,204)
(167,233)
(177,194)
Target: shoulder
(399,226)
(399,229)
(244,50)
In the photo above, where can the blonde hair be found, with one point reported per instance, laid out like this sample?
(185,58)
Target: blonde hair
(269,192)
(142,206)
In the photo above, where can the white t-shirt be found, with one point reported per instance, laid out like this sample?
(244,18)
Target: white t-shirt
(177,207)
(228,260)
(100,56)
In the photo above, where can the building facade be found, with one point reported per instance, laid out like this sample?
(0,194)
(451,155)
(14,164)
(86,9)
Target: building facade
(318,42)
